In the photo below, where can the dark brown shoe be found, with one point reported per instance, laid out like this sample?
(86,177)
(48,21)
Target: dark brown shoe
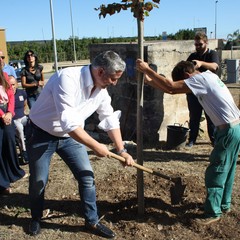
(34,227)
(100,229)
(6,191)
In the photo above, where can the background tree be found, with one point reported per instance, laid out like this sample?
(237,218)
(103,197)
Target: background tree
(44,48)
(233,40)
(140,9)
(184,34)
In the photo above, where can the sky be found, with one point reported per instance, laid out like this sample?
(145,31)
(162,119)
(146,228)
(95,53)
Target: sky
(31,19)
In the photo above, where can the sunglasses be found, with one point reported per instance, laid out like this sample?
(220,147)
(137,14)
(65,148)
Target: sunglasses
(198,44)
(30,55)
(2,57)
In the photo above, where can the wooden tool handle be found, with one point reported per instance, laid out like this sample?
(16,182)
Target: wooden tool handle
(134,165)
(146,169)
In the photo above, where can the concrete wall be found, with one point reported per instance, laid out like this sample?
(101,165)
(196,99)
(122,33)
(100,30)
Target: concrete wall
(167,53)
(228,54)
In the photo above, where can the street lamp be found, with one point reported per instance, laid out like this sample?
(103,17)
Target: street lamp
(73,37)
(216,19)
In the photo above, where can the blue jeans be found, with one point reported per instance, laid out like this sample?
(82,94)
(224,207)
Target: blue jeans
(31,99)
(40,147)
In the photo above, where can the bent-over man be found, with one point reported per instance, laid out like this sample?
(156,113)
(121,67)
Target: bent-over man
(218,103)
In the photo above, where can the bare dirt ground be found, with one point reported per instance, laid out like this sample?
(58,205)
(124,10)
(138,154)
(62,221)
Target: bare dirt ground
(118,204)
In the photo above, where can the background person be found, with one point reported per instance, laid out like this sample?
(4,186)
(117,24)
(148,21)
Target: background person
(204,59)
(6,67)
(32,77)
(218,103)
(9,166)
(57,121)
(20,118)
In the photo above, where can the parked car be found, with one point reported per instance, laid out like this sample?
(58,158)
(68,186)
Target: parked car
(18,65)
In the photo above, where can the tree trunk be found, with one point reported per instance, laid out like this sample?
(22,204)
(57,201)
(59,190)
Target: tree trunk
(140,85)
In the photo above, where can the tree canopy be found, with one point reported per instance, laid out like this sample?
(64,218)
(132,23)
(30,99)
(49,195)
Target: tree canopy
(233,39)
(139,8)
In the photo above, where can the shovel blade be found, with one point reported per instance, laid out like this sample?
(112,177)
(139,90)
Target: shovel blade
(177,192)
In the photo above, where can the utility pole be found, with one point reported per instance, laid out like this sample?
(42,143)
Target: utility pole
(73,37)
(216,19)
(54,40)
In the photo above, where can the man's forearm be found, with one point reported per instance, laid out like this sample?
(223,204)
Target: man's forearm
(210,66)
(116,137)
(80,135)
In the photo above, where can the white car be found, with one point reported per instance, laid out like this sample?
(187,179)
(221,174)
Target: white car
(18,65)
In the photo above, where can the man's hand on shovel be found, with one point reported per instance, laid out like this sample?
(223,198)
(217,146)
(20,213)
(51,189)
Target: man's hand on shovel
(101,150)
(127,159)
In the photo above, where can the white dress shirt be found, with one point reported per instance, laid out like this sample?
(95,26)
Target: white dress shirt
(65,103)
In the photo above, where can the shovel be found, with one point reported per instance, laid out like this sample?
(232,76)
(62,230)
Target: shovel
(176,190)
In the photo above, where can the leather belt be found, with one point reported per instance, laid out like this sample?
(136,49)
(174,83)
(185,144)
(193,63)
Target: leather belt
(41,130)
(228,125)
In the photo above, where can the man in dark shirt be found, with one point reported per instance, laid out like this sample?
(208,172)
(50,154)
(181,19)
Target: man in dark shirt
(204,59)
(20,119)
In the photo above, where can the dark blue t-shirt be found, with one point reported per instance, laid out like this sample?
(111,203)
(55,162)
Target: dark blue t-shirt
(208,56)
(20,97)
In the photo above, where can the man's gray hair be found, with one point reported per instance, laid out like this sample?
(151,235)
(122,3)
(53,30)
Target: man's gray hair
(110,61)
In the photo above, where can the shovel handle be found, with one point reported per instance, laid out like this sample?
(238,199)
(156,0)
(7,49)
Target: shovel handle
(140,167)
(134,164)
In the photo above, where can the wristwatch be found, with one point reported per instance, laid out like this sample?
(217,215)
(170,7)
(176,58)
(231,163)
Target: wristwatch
(121,151)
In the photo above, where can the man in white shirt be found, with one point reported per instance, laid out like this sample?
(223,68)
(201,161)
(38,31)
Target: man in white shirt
(218,103)
(57,123)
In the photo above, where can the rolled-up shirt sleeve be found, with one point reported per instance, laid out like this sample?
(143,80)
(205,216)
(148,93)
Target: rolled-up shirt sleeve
(108,118)
(110,122)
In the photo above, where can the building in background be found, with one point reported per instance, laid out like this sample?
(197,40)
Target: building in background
(3,44)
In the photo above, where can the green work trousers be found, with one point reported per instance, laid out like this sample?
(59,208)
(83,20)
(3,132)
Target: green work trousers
(219,175)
